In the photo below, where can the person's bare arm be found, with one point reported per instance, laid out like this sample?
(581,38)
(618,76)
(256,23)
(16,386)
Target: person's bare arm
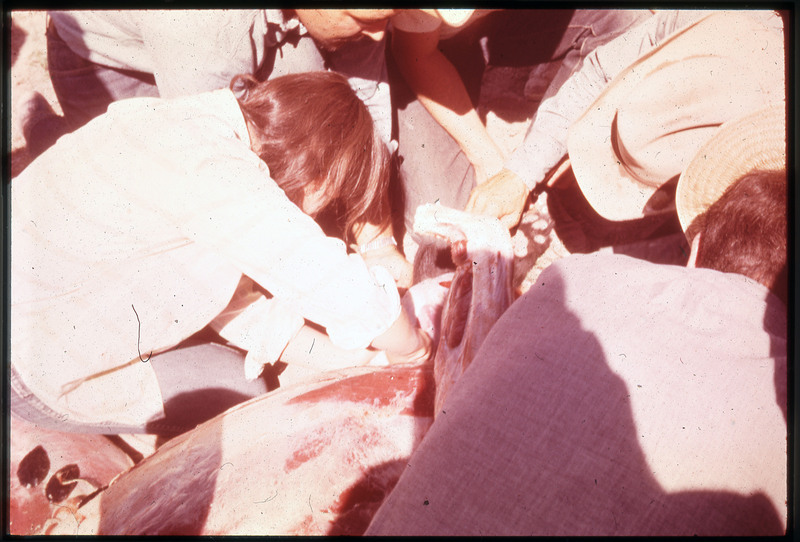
(441,91)
(376,244)
(313,349)
(404,342)
(545,143)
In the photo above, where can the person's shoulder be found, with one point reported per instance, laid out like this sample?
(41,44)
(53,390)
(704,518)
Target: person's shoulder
(158,25)
(605,279)
(601,264)
(596,279)
(206,119)
(428,20)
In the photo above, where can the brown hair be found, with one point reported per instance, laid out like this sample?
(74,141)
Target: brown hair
(311,129)
(745,230)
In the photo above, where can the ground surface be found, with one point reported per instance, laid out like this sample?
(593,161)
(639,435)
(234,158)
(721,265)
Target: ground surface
(28,73)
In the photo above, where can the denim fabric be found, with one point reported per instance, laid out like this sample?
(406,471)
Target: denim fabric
(24,404)
(197,383)
(84,91)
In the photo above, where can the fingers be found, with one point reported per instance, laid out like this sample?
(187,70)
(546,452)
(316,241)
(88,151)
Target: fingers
(483,200)
(511,220)
(503,196)
(476,203)
(393,260)
(426,349)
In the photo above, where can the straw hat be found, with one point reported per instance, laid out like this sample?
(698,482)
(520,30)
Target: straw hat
(650,121)
(757,141)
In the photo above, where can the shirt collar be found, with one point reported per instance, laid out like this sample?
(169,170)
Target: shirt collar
(283,27)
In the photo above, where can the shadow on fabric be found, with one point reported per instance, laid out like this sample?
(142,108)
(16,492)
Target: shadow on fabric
(539,438)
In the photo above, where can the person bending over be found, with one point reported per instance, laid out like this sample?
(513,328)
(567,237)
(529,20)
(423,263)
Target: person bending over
(97,57)
(620,397)
(164,216)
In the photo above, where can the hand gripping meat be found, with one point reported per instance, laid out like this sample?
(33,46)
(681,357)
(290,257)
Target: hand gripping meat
(320,456)
(480,292)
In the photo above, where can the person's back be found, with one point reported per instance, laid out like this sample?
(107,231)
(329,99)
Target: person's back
(130,188)
(662,416)
(134,232)
(622,397)
(221,44)
(98,57)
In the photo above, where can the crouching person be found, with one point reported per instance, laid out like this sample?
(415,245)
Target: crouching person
(622,397)
(162,218)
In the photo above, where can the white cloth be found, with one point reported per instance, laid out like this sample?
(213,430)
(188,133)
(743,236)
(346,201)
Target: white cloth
(197,50)
(257,323)
(133,232)
(545,143)
(617,397)
(188,51)
(448,21)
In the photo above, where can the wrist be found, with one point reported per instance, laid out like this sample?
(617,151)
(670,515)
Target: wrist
(376,244)
(421,350)
(488,164)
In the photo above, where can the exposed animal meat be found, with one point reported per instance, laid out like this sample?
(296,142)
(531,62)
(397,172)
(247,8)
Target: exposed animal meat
(320,456)
(480,292)
(315,458)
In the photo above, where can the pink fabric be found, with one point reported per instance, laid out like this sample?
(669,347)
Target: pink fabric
(617,397)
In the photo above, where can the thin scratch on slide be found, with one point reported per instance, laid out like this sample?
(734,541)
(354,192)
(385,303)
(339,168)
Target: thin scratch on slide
(139,337)
(270,498)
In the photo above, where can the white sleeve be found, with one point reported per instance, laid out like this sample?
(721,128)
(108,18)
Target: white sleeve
(262,326)
(545,144)
(195,51)
(250,221)
(416,20)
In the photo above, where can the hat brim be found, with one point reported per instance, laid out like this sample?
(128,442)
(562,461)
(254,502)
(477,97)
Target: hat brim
(679,118)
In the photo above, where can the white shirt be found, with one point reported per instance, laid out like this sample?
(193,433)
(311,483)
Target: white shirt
(197,50)
(545,144)
(133,232)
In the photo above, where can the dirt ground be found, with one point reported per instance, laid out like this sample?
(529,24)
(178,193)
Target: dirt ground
(28,74)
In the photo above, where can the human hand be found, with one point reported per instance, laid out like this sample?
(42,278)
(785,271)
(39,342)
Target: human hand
(393,261)
(420,352)
(488,161)
(404,341)
(423,302)
(503,196)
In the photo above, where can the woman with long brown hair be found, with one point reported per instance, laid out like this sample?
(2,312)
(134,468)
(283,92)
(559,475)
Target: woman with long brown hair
(162,218)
